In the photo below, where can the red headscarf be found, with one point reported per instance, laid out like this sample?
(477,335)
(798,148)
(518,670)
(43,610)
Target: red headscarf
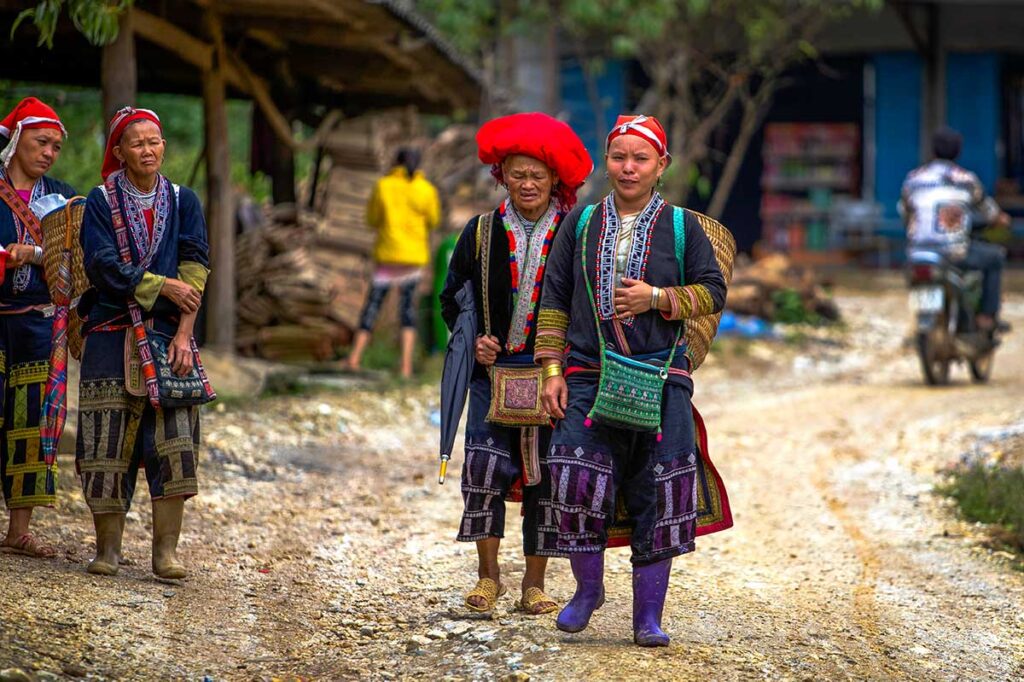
(541,137)
(29,113)
(646,128)
(122,119)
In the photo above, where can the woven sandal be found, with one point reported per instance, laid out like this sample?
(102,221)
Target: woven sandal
(536,603)
(489,590)
(29,545)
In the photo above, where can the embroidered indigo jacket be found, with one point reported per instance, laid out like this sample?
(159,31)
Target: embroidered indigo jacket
(115,282)
(566,318)
(36,293)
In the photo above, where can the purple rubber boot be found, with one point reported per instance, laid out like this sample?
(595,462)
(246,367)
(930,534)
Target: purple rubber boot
(650,583)
(588,569)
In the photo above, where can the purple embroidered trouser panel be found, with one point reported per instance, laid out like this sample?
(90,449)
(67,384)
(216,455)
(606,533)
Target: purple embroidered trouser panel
(492,464)
(596,468)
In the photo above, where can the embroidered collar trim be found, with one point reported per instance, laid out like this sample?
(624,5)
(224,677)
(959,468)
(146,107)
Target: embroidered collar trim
(636,265)
(527,259)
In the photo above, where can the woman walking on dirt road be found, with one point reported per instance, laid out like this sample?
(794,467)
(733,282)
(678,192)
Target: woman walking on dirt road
(622,279)
(541,162)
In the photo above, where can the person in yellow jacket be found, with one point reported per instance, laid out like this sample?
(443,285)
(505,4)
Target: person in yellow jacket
(403,208)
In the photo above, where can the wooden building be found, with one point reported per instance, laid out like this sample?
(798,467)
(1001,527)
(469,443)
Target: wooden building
(297,60)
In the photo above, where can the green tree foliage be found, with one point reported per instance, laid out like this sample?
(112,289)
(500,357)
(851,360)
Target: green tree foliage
(95,19)
(80,110)
(704,61)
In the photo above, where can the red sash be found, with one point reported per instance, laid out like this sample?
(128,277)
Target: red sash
(22,211)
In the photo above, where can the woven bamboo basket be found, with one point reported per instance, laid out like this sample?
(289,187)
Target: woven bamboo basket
(700,331)
(60,231)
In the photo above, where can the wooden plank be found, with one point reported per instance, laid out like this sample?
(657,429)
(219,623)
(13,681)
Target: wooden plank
(221,292)
(186,47)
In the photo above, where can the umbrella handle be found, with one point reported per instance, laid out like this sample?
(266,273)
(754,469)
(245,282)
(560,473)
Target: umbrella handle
(444,470)
(67,219)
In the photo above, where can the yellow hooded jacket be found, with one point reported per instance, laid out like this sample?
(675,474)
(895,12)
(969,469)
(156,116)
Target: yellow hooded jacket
(403,210)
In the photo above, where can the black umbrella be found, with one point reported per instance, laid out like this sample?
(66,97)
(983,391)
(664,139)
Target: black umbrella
(458,367)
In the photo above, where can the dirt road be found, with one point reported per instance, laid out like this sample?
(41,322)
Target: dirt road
(322,544)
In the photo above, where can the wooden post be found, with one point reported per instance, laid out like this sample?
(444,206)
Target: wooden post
(118,69)
(283,175)
(219,203)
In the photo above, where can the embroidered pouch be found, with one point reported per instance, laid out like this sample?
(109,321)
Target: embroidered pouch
(515,396)
(175,390)
(629,393)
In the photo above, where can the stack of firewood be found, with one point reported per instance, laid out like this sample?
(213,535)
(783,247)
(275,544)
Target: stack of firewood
(299,298)
(759,288)
(361,150)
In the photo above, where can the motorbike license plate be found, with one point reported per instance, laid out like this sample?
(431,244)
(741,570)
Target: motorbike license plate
(926,299)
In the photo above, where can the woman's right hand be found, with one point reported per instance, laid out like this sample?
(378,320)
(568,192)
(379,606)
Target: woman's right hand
(182,295)
(555,396)
(487,349)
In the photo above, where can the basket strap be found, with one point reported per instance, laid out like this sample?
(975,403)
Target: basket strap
(484,227)
(20,209)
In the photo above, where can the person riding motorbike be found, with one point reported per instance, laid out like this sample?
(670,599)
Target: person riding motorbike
(938,204)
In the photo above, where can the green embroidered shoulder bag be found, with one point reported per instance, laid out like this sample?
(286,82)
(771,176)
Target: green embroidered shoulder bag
(629,392)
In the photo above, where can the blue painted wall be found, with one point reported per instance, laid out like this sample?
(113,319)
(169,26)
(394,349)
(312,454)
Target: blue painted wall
(898,94)
(972,107)
(612,90)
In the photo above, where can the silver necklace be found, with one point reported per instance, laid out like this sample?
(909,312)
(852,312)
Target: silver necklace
(145,198)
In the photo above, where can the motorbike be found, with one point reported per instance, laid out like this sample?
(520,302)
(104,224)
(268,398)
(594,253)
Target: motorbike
(944,300)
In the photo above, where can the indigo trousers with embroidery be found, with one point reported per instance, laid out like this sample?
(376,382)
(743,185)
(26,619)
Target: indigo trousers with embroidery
(595,468)
(24,366)
(118,433)
(491,475)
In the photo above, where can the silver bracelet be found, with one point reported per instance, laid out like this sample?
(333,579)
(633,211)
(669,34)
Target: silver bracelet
(655,297)
(37,255)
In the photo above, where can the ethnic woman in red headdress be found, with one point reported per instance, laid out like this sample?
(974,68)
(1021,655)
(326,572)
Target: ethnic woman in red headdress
(35,136)
(541,163)
(144,243)
(623,278)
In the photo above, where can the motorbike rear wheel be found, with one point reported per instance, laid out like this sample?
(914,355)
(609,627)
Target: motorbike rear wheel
(934,362)
(981,367)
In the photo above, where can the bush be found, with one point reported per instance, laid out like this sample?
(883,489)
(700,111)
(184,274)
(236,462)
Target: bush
(992,495)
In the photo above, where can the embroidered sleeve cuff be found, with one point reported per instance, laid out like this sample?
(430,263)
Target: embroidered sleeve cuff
(148,289)
(552,324)
(693,300)
(193,274)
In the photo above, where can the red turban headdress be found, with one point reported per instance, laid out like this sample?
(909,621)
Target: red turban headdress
(646,128)
(29,113)
(541,137)
(122,119)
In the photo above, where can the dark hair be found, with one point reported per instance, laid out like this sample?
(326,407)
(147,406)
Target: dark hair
(409,158)
(946,143)
(564,196)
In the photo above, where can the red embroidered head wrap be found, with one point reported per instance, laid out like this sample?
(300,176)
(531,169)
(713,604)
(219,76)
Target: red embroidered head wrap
(29,113)
(540,137)
(646,128)
(122,119)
